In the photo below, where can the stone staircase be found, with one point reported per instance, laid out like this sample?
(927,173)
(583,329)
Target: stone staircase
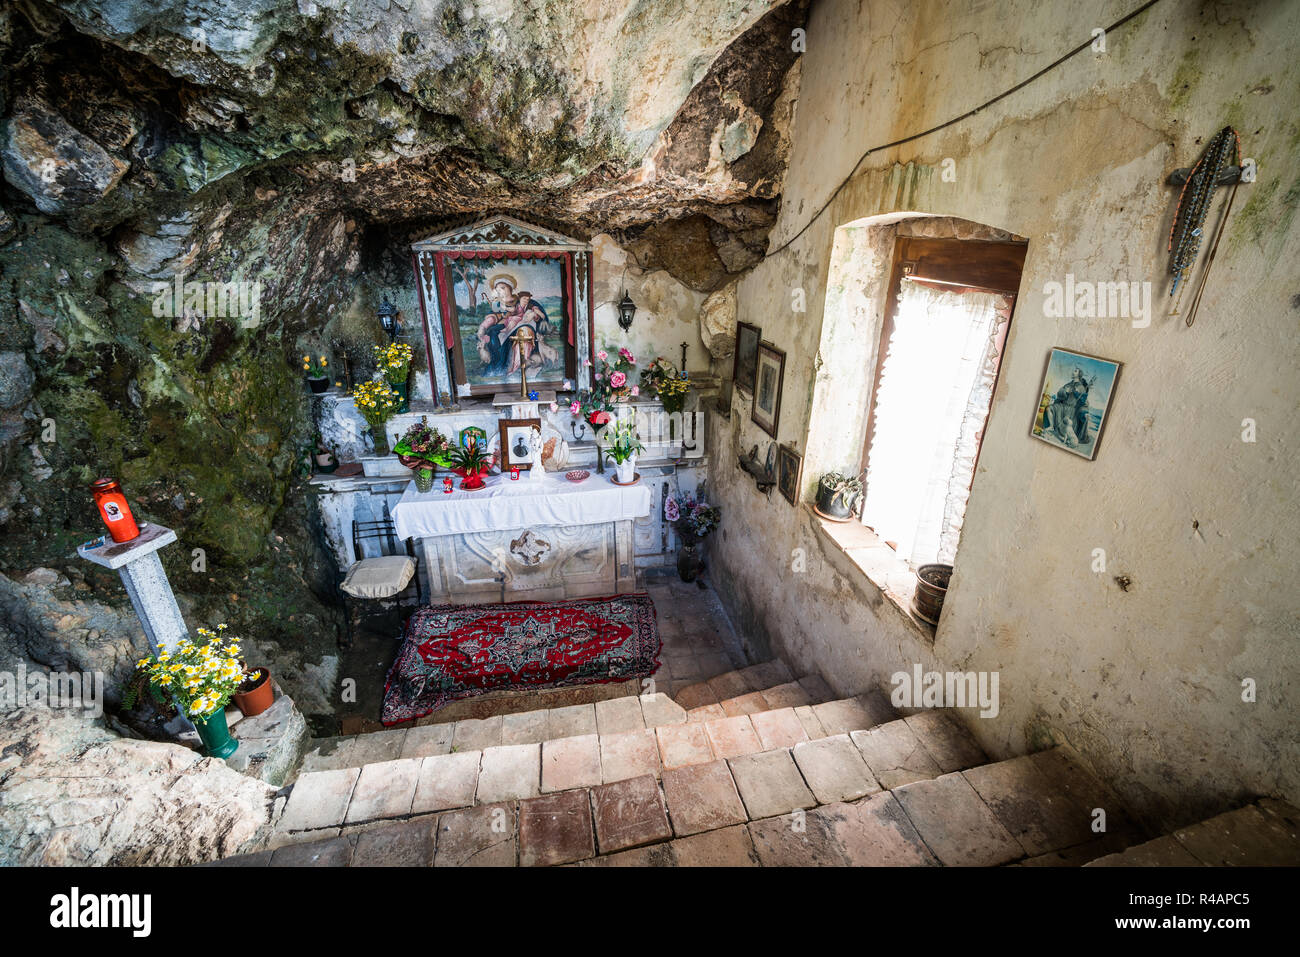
(749,767)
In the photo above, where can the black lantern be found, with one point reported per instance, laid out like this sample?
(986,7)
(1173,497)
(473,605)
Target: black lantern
(388,318)
(626,310)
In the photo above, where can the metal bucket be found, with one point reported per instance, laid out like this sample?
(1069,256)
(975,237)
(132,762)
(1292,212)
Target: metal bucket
(931,587)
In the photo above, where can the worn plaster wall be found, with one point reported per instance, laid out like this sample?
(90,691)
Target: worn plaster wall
(1147,680)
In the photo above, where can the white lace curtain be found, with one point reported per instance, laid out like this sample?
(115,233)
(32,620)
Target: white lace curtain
(934,395)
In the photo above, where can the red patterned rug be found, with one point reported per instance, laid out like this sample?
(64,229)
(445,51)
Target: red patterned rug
(459,651)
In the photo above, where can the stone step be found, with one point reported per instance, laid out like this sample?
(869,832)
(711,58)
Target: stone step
(835,747)
(818,803)
(1263,834)
(607,715)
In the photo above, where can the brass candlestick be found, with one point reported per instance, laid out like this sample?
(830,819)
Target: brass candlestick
(524,337)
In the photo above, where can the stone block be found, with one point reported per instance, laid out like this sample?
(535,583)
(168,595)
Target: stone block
(745,704)
(695,696)
(843,716)
(525,727)
(894,754)
(336,852)
(570,722)
(730,684)
(629,755)
(1246,837)
(951,745)
(732,737)
(555,829)
(789,695)
(726,847)
(955,824)
(408,844)
(319,799)
(569,763)
(683,744)
(476,734)
(834,769)
(803,840)
(483,836)
(780,728)
(1031,808)
(702,797)
(770,784)
(384,790)
(628,814)
(618,715)
(446,781)
(659,709)
(509,772)
(876,833)
(428,740)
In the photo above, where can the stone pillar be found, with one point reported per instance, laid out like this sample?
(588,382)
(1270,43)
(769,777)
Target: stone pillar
(142,573)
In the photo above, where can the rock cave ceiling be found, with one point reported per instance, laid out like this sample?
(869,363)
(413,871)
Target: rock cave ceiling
(664,123)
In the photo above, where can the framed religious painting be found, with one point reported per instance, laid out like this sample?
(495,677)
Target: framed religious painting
(788,463)
(769,371)
(502,299)
(743,365)
(1074,401)
(517,442)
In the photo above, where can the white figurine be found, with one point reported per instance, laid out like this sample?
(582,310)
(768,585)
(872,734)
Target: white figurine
(535,446)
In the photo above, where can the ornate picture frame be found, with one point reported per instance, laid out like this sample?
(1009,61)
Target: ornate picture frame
(744,363)
(788,465)
(769,375)
(512,431)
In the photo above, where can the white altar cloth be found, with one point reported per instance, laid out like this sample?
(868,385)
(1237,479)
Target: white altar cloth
(527,503)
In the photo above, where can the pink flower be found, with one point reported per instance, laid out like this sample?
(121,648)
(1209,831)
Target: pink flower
(636,390)
(600,377)
(555,407)
(586,362)
(627,355)
(602,355)
(617,380)
(670,510)
(575,407)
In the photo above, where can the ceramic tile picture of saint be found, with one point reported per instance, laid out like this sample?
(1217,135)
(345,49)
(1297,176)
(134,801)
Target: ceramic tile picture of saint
(1074,400)
(495,298)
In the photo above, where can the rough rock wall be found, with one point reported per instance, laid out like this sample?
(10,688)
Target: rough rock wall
(73,793)
(1145,679)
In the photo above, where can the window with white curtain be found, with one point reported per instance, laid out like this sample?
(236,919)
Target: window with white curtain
(931,401)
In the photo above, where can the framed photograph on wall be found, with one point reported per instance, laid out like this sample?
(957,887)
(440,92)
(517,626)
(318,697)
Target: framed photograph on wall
(1074,400)
(788,463)
(746,358)
(516,452)
(769,371)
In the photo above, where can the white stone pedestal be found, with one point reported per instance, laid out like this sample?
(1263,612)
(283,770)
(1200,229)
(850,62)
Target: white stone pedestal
(142,573)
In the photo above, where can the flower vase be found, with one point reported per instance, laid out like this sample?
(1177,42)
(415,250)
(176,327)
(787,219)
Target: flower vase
(401,390)
(215,735)
(626,470)
(379,438)
(689,562)
(424,479)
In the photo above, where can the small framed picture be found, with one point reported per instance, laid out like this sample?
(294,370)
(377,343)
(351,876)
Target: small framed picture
(1074,400)
(516,442)
(788,463)
(745,361)
(769,371)
(471,436)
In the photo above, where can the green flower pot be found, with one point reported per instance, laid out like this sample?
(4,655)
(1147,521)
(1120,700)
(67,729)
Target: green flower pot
(401,390)
(215,735)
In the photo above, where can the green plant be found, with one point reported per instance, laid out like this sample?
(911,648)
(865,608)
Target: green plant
(469,458)
(198,677)
(316,366)
(663,381)
(620,440)
(422,442)
(843,488)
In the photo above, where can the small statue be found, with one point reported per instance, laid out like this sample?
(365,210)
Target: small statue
(535,446)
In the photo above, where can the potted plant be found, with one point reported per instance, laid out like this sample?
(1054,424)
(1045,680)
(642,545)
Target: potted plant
(200,678)
(610,386)
(255,693)
(622,446)
(317,369)
(376,401)
(471,463)
(394,363)
(838,496)
(694,520)
(323,456)
(931,589)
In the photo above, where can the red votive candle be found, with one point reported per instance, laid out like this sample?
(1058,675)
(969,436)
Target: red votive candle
(446,485)
(114,510)
(514,473)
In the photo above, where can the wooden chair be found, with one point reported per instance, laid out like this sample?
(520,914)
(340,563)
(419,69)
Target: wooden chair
(393,575)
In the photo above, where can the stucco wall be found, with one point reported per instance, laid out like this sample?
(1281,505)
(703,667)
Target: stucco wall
(1147,682)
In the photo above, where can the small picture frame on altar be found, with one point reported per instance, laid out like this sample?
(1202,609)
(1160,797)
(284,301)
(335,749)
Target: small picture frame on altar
(471,436)
(516,448)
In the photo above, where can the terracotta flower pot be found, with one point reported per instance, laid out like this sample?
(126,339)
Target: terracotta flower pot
(258,698)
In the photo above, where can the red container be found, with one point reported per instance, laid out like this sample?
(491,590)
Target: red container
(446,485)
(514,473)
(114,510)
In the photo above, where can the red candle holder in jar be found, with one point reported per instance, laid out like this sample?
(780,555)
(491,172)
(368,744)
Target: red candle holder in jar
(114,510)
(514,473)
(446,485)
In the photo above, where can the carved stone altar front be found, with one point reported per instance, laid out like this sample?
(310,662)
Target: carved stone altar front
(542,563)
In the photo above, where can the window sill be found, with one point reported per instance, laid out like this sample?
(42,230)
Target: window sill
(868,558)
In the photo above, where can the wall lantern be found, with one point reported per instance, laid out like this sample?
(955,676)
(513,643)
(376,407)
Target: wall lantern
(626,310)
(388,318)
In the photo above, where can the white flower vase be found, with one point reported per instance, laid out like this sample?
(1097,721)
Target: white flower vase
(626,470)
